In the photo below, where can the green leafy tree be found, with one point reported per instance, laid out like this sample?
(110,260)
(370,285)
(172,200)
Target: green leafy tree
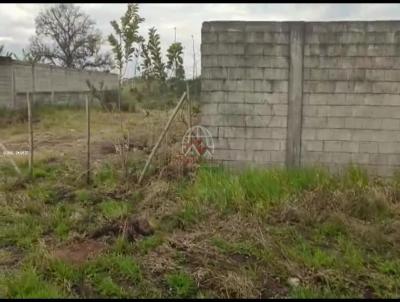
(175,61)
(125,43)
(154,49)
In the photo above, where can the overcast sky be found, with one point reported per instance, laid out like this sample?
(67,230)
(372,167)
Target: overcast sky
(17,20)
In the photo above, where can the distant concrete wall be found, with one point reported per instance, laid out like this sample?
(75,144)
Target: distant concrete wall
(303,93)
(49,83)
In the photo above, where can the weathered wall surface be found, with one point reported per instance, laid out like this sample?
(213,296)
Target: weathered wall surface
(49,83)
(335,87)
(245,70)
(5,82)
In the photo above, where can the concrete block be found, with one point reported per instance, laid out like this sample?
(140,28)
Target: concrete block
(254,37)
(390,124)
(229,61)
(334,134)
(386,87)
(262,98)
(368,147)
(335,122)
(209,61)
(211,73)
(231,143)
(389,147)
(232,132)
(207,109)
(254,49)
(279,86)
(232,108)
(280,109)
(238,73)
(276,74)
(213,97)
(262,156)
(314,122)
(211,85)
(375,75)
(309,134)
(312,145)
(263,144)
(277,156)
(262,86)
(345,86)
(324,99)
(245,85)
(268,62)
(266,26)
(209,37)
(255,73)
(222,49)
(231,37)
(235,97)
(224,26)
(275,50)
(391,76)
(263,109)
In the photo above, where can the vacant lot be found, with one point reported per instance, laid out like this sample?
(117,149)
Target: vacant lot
(187,231)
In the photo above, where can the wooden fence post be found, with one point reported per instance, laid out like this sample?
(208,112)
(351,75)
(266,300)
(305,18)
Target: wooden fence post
(88,141)
(30,130)
(162,136)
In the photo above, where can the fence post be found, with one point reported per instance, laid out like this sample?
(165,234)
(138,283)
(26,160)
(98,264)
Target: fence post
(189,102)
(88,141)
(30,130)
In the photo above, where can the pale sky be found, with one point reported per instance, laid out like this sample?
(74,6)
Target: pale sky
(17,20)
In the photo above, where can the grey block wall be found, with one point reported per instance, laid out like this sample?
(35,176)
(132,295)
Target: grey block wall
(65,84)
(303,93)
(245,71)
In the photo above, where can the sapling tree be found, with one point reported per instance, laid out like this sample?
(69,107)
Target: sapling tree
(175,61)
(125,41)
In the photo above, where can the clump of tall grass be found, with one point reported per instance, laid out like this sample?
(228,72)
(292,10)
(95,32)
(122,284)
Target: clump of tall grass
(253,189)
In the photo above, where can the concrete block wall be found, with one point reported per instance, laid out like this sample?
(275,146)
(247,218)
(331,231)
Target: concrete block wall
(65,84)
(351,101)
(245,71)
(303,93)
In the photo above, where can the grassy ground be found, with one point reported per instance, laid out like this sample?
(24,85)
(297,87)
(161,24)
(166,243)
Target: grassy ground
(217,233)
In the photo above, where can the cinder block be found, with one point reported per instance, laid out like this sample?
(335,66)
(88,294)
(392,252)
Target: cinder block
(279,86)
(213,97)
(314,122)
(261,156)
(254,49)
(335,122)
(386,87)
(231,143)
(238,73)
(230,61)
(277,156)
(234,132)
(210,73)
(209,37)
(268,62)
(391,76)
(375,75)
(276,74)
(368,147)
(334,134)
(231,120)
(207,109)
(255,73)
(312,145)
(232,108)
(262,86)
(258,121)
(389,147)
(275,50)
(264,109)
(211,85)
(245,85)
(224,26)
(270,98)
(390,124)
(235,97)
(280,109)
(266,26)
(222,49)
(262,144)
(209,61)
(231,37)
(254,37)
